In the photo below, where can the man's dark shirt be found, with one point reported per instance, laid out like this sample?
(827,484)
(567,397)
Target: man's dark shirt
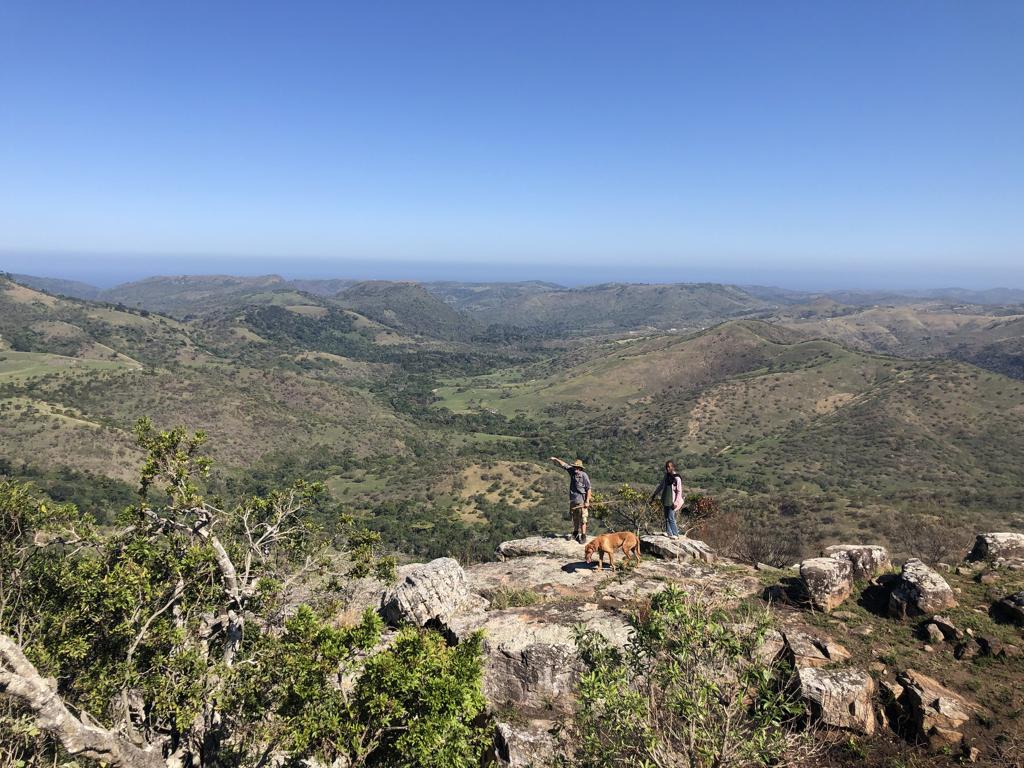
(579,484)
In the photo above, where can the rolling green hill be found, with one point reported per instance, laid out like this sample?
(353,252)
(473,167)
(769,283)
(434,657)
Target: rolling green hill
(409,308)
(436,432)
(616,307)
(987,337)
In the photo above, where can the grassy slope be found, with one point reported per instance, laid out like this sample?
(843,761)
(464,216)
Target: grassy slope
(971,334)
(746,407)
(306,388)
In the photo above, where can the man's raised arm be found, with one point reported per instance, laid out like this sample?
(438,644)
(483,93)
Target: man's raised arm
(559,462)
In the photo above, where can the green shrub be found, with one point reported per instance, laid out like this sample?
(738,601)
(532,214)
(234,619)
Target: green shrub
(686,691)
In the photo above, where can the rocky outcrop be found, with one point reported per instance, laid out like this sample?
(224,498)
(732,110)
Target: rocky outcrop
(529,745)
(933,712)
(681,549)
(867,560)
(828,581)
(542,546)
(544,593)
(995,546)
(429,593)
(919,590)
(841,698)
(1011,608)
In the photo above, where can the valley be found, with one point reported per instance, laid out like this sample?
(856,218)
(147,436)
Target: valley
(430,410)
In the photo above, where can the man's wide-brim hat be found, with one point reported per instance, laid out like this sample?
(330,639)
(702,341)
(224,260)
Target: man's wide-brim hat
(578,463)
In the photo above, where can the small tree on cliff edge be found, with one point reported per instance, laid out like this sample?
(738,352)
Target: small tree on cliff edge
(170,641)
(627,509)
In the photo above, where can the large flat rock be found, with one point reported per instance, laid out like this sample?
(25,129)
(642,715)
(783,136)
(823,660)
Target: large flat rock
(548,576)
(841,698)
(551,546)
(679,549)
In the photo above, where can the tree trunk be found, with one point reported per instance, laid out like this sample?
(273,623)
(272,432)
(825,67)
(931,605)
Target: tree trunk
(20,680)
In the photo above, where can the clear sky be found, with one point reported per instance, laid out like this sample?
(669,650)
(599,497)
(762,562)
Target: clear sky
(816,142)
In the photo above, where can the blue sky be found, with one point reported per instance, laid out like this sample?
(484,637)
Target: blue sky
(819,143)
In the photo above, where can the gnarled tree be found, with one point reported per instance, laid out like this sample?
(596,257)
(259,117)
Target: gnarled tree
(137,646)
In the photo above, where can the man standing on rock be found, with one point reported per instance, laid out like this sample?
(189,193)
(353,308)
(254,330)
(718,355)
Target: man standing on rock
(579,496)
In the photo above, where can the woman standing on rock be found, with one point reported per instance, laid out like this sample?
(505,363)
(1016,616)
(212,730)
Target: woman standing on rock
(670,492)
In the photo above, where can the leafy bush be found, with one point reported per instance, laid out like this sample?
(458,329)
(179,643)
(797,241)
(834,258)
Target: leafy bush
(687,690)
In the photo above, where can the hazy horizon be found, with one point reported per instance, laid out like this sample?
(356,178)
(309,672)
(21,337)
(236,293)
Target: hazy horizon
(105,271)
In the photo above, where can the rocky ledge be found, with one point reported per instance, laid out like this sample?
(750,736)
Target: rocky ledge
(531,600)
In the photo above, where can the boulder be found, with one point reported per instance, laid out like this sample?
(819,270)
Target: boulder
(804,650)
(841,698)
(429,593)
(829,581)
(968,649)
(1011,607)
(530,659)
(868,560)
(948,629)
(682,549)
(560,547)
(933,634)
(524,745)
(994,546)
(919,590)
(933,712)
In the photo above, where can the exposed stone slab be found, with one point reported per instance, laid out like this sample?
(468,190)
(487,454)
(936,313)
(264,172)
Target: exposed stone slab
(530,658)
(993,546)
(682,548)
(934,712)
(562,547)
(841,698)
(806,650)
(868,560)
(549,576)
(919,591)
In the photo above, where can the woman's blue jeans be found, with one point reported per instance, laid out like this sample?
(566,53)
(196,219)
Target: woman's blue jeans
(670,522)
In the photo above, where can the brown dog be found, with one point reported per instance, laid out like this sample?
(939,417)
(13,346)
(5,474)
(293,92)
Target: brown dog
(607,543)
